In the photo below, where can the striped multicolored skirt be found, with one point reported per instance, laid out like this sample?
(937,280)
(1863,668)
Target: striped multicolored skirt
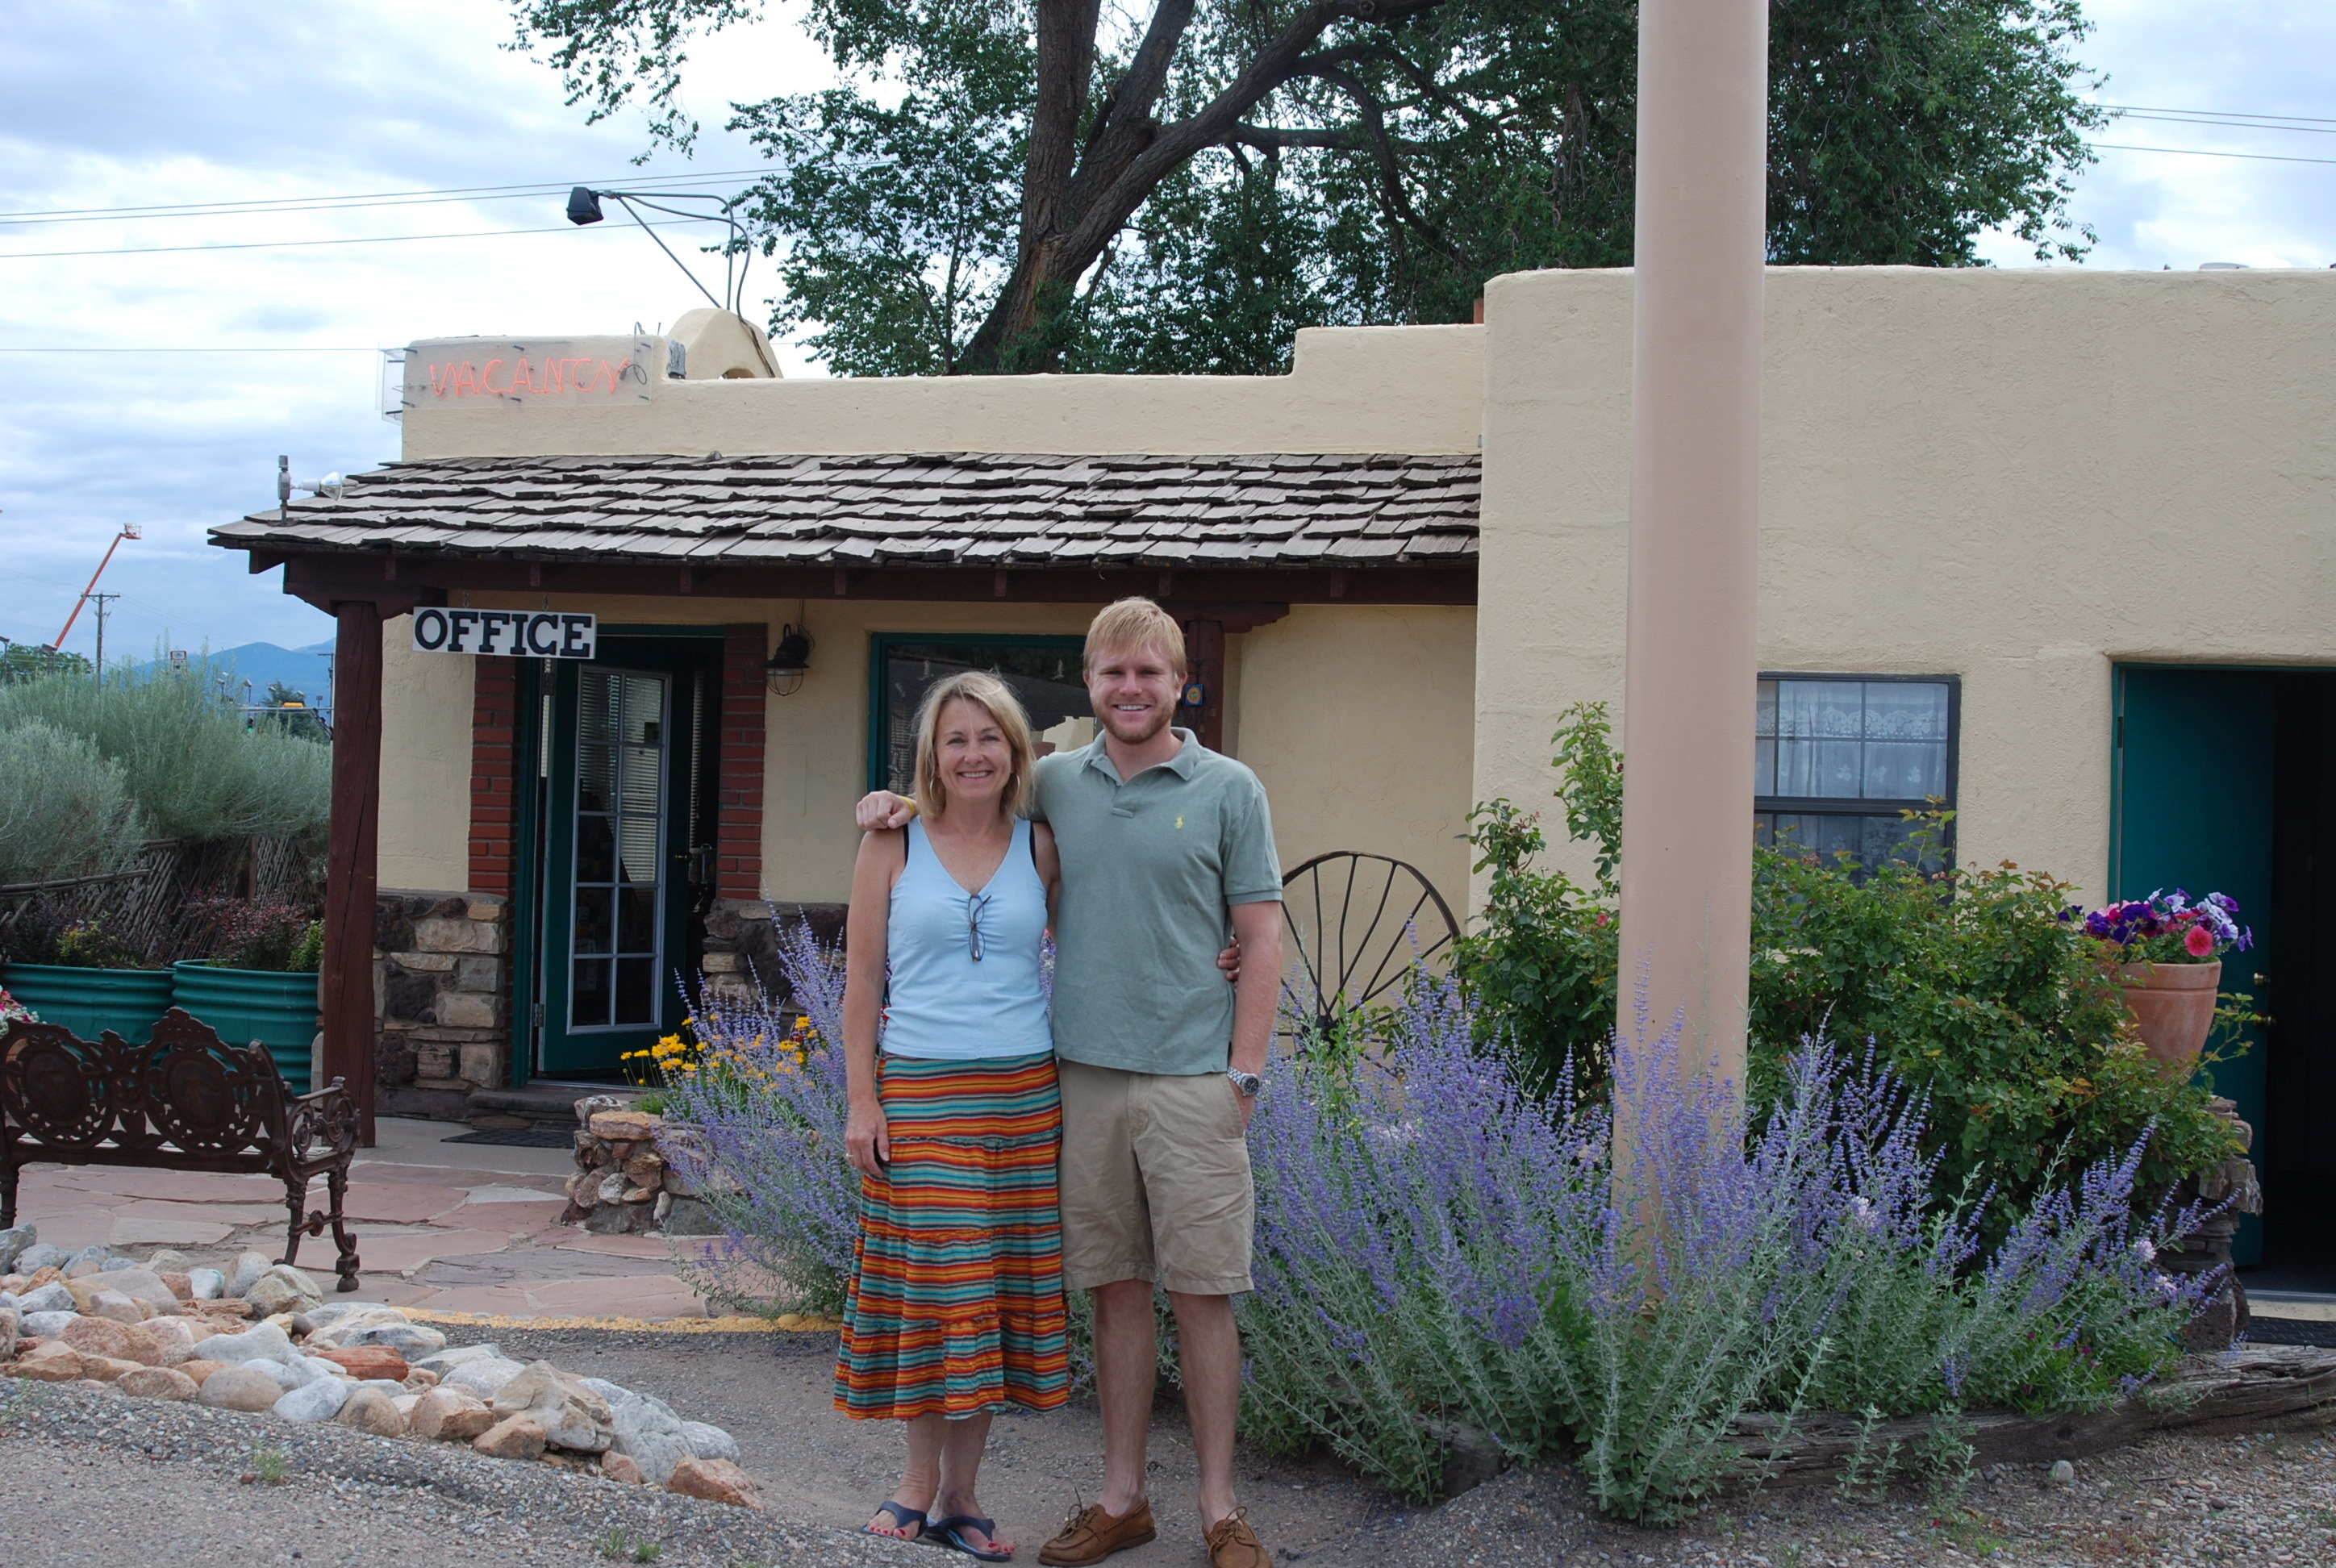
(956,1304)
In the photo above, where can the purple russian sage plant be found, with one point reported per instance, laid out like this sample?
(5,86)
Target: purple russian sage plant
(1436,1247)
(770,1106)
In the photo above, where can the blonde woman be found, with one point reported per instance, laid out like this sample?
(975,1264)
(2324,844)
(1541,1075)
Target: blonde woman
(956,1308)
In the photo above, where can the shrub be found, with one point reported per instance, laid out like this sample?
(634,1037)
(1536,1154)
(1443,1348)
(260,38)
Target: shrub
(186,756)
(1438,1245)
(1966,981)
(766,1092)
(66,810)
(270,934)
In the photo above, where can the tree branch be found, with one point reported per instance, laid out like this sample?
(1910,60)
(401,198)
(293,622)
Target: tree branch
(1374,114)
(1066,37)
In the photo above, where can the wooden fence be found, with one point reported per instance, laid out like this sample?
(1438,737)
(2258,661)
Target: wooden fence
(155,910)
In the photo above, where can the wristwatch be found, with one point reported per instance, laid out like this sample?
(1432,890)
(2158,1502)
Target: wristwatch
(1248,1084)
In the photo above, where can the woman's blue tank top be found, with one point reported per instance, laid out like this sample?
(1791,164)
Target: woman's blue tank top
(945,1002)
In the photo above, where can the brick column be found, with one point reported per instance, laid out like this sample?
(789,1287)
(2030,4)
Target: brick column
(738,841)
(494,792)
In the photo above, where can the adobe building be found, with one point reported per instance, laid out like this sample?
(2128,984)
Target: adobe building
(2055,547)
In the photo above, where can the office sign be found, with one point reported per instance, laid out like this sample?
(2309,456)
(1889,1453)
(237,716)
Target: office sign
(569,372)
(511,633)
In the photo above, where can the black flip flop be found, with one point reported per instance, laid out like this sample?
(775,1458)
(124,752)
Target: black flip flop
(951,1532)
(904,1517)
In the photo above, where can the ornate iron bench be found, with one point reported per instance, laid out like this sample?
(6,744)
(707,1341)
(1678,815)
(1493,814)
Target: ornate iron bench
(186,1100)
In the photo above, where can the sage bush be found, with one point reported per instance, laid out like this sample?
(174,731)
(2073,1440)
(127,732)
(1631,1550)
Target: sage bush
(65,810)
(186,756)
(1438,1245)
(766,1099)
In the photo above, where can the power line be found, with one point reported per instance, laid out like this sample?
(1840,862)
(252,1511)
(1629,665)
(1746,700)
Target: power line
(2230,116)
(2204,153)
(365,198)
(296,244)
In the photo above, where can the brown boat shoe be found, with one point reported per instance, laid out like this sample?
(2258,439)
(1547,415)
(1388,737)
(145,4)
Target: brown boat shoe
(1233,1545)
(1090,1535)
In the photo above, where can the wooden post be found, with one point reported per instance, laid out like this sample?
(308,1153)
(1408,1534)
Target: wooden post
(1695,509)
(352,870)
(1204,658)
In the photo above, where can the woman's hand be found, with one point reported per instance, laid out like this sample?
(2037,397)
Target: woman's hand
(866,1138)
(1229,961)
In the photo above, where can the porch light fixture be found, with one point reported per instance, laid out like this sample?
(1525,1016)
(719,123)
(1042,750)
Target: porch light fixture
(789,662)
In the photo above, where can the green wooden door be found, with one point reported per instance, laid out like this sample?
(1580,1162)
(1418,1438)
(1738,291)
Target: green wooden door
(618,854)
(2193,810)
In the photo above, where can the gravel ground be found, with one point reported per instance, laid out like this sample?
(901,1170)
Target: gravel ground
(99,1478)
(165,1482)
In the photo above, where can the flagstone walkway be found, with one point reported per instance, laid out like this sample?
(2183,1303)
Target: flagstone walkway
(439,1227)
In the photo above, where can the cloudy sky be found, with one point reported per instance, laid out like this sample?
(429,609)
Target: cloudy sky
(192,365)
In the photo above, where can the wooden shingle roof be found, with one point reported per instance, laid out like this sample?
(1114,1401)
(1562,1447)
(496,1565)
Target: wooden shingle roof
(932,509)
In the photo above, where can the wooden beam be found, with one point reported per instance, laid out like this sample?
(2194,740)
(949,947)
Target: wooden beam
(1204,660)
(352,870)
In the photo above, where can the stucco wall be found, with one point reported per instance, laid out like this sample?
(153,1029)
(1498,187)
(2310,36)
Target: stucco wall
(2019,478)
(425,764)
(1350,389)
(1358,721)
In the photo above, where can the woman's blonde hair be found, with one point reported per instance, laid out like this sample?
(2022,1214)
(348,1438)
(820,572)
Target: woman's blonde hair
(993,696)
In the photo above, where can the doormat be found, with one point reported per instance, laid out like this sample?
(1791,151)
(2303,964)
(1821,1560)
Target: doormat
(2291,1331)
(519,1137)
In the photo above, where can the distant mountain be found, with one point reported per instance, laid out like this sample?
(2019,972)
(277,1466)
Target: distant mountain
(304,669)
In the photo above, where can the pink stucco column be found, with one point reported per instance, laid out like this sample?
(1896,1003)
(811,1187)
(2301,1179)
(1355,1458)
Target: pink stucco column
(1695,491)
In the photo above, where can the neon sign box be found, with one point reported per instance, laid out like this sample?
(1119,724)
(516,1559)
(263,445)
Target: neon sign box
(559,372)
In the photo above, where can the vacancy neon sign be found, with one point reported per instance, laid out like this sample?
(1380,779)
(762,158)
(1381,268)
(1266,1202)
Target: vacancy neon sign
(472,372)
(465,379)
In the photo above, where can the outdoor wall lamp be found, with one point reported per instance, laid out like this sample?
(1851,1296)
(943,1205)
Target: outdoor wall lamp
(789,662)
(584,208)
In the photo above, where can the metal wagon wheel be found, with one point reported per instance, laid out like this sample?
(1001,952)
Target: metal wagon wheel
(1356,923)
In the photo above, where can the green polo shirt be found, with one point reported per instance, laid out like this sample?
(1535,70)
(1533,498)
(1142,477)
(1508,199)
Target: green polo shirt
(1150,867)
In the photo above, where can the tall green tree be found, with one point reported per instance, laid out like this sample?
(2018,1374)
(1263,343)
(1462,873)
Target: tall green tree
(1002,185)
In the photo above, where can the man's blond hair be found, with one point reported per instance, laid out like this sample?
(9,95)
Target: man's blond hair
(995,698)
(1132,625)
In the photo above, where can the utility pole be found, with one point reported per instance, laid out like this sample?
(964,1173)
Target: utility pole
(1692,651)
(102,600)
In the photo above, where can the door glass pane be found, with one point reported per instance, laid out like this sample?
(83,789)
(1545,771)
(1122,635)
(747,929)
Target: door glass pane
(592,922)
(619,877)
(636,920)
(636,990)
(1047,679)
(589,1008)
(596,850)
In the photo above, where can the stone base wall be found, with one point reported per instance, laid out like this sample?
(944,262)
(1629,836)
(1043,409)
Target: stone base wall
(742,941)
(442,1000)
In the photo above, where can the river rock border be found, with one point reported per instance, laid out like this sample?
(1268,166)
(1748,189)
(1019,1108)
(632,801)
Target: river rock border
(263,1340)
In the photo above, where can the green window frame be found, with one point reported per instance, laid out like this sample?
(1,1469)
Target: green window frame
(884,646)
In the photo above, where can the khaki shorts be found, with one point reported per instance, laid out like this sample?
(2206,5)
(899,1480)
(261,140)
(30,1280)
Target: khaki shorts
(1155,1181)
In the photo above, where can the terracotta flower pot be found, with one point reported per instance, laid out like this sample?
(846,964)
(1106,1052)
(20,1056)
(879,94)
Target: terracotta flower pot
(2173,1008)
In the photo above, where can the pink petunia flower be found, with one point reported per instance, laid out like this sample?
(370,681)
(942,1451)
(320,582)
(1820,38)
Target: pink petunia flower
(2198,941)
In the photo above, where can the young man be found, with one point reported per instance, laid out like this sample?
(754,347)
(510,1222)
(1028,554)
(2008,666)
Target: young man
(1161,840)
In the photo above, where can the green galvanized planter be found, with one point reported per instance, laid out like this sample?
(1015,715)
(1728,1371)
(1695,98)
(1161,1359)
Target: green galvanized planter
(276,1008)
(91,1001)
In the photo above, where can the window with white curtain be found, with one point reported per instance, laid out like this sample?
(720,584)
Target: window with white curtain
(1838,759)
